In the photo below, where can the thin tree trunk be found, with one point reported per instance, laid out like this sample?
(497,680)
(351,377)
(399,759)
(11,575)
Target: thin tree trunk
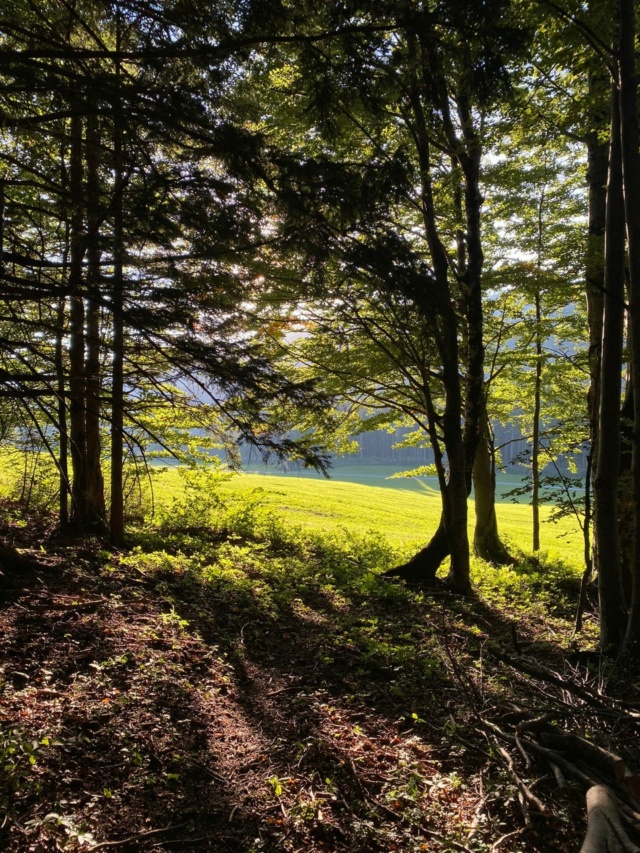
(597,163)
(486,539)
(535,439)
(63,435)
(77,388)
(626,530)
(95,505)
(586,538)
(537,388)
(117,375)
(612,617)
(61,331)
(630,134)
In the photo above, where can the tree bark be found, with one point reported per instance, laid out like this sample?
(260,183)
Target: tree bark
(537,388)
(486,539)
(77,388)
(61,381)
(117,303)
(605,832)
(612,617)
(597,164)
(626,531)
(63,434)
(95,506)
(422,568)
(630,135)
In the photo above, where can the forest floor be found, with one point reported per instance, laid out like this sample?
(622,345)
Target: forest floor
(225,692)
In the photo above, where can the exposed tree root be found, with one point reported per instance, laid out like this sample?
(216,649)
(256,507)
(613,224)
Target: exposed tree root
(605,832)
(421,569)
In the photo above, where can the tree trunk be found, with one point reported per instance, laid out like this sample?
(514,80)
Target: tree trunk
(586,539)
(464,146)
(535,439)
(63,435)
(61,384)
(612,618)
(455,496)
(597,160)
(95,506)
(117,302)
(77,389)
(630,135)
(626,530)
(597,163)
(605,832)
(421,569)
(486,539)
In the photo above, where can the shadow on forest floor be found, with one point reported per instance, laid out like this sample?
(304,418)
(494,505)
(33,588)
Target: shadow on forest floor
(212,694)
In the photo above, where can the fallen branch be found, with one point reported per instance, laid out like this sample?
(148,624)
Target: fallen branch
(103,845)
(551,755)
(583,750)
(588,696)
(507,837)
(528,797)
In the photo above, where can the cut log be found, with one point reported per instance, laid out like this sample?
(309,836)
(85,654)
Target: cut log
(605,832)
(580,749)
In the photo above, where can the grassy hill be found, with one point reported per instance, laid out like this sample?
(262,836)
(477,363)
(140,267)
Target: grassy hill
(406,512)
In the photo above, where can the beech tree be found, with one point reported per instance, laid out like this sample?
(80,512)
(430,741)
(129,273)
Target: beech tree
(394,161)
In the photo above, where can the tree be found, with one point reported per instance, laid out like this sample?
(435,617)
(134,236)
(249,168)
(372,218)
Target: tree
(390,175)
(142,220)
(535,322)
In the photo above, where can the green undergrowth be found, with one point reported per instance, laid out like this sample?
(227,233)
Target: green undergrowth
(230,635)
(406,518)
(212,541)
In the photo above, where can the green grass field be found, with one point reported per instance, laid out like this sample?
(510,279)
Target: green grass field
(360,499)
(406,516)
(378,475)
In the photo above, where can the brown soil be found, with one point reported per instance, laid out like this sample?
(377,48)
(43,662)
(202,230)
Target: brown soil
(133,720)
